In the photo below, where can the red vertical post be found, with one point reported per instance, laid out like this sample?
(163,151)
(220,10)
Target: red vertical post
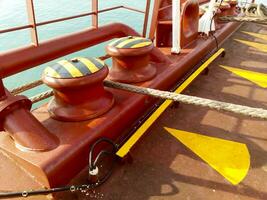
(32,22)
(95,15)
(2,90)
(154,21)
(146,17)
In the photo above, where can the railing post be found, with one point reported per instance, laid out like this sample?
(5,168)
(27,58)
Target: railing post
(2,90)
(146,17)
(154,20)
(32,22)
(95,15)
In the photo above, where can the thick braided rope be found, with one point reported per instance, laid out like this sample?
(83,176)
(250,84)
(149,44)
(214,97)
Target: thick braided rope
(26,87)
(253,13)
(42,96)
(213,104)
(244,19)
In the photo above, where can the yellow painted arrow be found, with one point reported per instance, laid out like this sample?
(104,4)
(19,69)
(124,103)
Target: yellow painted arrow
(258,78)
(259,46)
(231,159)
(257,35)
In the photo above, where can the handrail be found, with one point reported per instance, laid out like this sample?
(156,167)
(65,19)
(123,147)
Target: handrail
(20,59)
(33,24)
(67,18)
(40,50)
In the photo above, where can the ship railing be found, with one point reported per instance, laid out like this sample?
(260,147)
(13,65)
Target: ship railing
(94,13)
(33,24)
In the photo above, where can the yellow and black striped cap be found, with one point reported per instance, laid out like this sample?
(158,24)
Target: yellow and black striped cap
(74,68)
(130,42)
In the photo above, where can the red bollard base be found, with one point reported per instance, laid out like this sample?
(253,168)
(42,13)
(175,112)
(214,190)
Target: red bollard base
(80,112)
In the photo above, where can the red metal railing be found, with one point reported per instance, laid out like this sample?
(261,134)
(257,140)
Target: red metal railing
(94,13)
(34,33)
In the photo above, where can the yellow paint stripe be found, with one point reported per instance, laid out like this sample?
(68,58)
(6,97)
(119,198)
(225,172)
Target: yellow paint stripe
(70,68)
(143,44)
(143,128)
(101,61)
(231,159)
(115,41)
(257,35)
(91,66)
(259,46)
(258,78)
(51,72)
(127,42)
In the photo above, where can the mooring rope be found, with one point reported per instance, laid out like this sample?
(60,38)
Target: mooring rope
(258,20)
(198,101)
(192,100)
(26,87)
(42,96)
(253,13)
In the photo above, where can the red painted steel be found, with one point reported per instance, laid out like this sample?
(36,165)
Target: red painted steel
(79,99)
(59,166)
(15,28)
(2,91)
(131,65)
(32,21)
(17,120)
(233,10)
(95,15)
(225,9)
(17,60)
(163,7)
(148,2)
(189,22)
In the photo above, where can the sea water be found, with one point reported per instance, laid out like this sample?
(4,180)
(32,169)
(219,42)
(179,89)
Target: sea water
(14,13)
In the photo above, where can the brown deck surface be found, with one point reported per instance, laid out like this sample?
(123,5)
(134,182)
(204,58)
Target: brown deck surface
(164,168)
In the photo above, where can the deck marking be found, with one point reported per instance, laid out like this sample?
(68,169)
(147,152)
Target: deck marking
(259,46)
(257,35)
(154,116)
(258,78)
(231,159)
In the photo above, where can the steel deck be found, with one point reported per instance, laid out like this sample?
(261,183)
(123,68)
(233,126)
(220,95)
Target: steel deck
(164,168)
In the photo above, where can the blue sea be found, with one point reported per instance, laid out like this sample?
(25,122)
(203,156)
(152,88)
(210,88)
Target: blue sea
(14,13)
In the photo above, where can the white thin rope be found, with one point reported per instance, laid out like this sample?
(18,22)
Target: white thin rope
(206,22)
(176,27)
